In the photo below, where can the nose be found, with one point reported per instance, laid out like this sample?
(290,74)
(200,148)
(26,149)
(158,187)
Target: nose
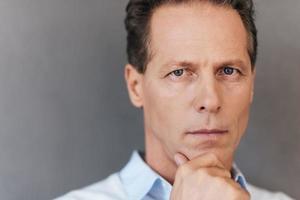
(208,96)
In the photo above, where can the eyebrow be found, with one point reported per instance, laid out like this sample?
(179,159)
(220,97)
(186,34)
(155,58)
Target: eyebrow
(237,62)
(193,65)
(183,63)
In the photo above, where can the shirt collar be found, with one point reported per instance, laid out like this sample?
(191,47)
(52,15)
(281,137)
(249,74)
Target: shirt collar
(137,177)
(238,177)
(140,180)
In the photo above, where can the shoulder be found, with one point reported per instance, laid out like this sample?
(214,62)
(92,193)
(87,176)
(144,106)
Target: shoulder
(108,189)
(263,194)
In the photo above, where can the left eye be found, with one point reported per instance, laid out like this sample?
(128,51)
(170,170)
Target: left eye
(178,72)
(228,70)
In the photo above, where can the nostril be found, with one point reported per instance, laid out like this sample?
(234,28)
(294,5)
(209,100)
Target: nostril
(204,108)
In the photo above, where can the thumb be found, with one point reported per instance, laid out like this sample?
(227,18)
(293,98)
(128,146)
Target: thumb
(180,159)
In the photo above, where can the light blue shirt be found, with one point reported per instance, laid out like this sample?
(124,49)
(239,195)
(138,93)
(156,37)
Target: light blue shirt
(137,181)
(141,182)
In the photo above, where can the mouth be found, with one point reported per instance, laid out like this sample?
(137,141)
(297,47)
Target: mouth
(207,138)
(208,132)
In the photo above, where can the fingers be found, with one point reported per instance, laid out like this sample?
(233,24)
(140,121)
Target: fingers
(204,176)
(208,163)
(204,160)
(235,190)
(216,172)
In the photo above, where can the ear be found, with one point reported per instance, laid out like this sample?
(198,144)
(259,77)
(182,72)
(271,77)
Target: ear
(134,85)
(253,85)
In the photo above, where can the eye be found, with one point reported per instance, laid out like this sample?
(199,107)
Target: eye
(228,70)
(181,74)
(178,72)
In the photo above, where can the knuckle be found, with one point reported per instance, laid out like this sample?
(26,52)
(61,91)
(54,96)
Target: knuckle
(244,195)
(233,192)
(203,173)
(184,169)
(247,196)
(238,193)
(219,181)
(213,158)
(226,174)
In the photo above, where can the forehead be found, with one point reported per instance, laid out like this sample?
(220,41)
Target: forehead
(198,31)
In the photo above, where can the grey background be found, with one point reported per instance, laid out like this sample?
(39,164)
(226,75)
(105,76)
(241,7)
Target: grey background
(65,117)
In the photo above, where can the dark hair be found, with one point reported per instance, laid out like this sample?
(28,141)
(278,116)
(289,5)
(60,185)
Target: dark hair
(137,23)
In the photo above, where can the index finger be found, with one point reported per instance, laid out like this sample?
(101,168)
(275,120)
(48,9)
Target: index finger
(205,160)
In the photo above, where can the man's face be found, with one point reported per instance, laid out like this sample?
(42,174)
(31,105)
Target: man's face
(199,79)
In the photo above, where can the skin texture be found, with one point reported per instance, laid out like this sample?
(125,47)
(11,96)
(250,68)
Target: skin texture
(199,77)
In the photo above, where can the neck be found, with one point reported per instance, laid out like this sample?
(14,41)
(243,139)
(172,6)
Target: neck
(157,158)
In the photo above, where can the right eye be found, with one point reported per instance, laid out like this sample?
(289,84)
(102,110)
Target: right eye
(180,74)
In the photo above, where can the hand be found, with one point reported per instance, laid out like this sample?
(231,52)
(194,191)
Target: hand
(205,178)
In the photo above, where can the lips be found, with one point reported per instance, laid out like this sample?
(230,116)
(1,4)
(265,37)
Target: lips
(208,132)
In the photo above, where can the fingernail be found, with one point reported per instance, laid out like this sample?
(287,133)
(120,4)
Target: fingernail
(179,159)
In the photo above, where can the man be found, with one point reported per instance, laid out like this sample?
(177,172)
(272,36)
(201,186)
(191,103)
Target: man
(191,69)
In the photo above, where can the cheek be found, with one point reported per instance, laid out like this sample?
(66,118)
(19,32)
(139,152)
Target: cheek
(237,109)
(164,108)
